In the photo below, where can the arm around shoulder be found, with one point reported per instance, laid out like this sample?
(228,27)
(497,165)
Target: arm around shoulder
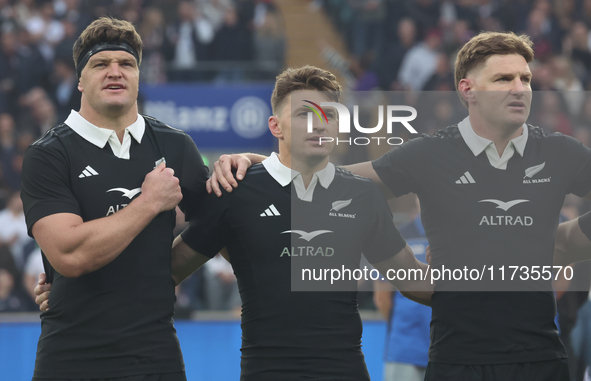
(416,286)
(185,260)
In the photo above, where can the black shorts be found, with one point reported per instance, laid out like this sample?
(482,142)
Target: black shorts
(178,376)
(553,370)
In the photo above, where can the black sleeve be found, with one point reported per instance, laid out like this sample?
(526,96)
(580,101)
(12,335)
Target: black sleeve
(46,185)
(384,240)
(396,167)
(192,180)
(580,160)
(208,231)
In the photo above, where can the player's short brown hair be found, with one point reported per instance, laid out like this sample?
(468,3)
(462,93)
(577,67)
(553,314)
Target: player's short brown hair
(108,29)
(304,78)
(476,51)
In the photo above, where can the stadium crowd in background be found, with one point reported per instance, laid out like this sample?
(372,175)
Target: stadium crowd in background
(391,42)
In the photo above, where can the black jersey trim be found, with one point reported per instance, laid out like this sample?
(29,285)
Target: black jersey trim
(162,127)
(61,130)
(256,169)
(345,173)
(535,132)
(449,132)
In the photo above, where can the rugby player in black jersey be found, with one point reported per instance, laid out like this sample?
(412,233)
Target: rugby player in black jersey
(491,188)
(298,335)
(99,193)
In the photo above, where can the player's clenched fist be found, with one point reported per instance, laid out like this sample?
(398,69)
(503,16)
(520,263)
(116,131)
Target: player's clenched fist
(162,188)
(42,293)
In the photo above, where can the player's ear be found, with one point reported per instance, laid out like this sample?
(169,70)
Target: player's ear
(465,90)
(80,85)
(274,127)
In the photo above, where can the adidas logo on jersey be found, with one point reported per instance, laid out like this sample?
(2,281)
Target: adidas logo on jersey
(466,179)
(88,172)
(271,211)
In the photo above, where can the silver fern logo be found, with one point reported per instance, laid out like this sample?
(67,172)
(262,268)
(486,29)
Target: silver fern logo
(532,171)
(338,205)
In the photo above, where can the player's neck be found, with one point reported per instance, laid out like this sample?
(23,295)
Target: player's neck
(307,167)
(116,120)
(500,135)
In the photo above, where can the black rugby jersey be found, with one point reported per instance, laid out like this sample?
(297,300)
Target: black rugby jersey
(290,335)
(116,321)
(476,215)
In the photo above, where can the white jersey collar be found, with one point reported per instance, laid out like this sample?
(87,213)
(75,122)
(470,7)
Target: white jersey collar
(285,175)
(477,144)
(101,136)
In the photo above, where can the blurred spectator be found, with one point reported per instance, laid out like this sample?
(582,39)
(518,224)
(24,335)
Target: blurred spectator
(577,45)
(460,34)
(453,12)
(24,10)
(366,78)
(45,31)
(12,297)
(64,48)
(443,78)
(8,21)
(390,59)
(552,116)
(231,44)
(245,10)
(270,45)
(152,31)
(542,77)
(13,230)
(585,14)
(584,118)
(571,87)
(539,28)
(66,94)
(38,114)
(214,11)
(220,284)
(420,62)
(9,152)
(186,42)
(443,113)
(510,14)
(583,134)
(367,25)
(21,69)
(564,10)
(425,13)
